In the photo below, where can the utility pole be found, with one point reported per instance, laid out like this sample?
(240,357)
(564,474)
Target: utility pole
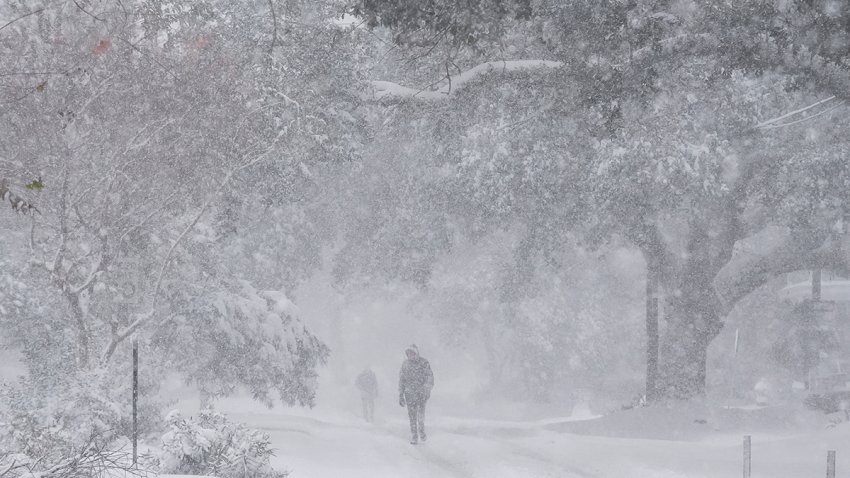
(813,320)
(135,401)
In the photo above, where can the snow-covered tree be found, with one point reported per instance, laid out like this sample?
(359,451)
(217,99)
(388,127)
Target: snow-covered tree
(226,336)
(686,129)
(135,128)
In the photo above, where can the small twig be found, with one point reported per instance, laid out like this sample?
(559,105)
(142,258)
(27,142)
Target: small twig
(32,73)
(274,31)
(22,17)
(166,263)
(87,12)
(152,59)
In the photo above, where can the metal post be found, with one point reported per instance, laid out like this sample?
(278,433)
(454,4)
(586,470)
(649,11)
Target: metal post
(816,285)
(748,457)
(830,464)
(135,400)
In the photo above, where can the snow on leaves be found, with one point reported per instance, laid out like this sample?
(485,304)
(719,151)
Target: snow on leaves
(212,445)
(235,335)
(19,204)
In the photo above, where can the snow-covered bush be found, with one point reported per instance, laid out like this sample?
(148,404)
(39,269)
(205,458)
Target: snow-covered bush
(97,456)
(65,408)
(231,334)
(212,445)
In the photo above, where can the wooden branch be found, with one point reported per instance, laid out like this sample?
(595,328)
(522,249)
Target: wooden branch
(63,224)
(21,17)
(147,218)
(80,7)
(390,90)
(96,271)
(141,319)
(274,24)
(794,251)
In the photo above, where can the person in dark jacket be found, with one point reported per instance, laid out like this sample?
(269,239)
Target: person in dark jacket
(414,389)
(367,383)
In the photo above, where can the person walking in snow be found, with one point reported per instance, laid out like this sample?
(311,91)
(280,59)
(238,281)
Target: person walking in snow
(414,389)
(367,383)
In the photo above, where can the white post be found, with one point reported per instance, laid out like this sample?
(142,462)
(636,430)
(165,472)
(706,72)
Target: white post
(748,456)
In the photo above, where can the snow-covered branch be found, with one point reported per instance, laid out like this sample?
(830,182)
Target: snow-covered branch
(63,224)
(12,465)
(390,90)
(782,251)
(18,203)
(141,319)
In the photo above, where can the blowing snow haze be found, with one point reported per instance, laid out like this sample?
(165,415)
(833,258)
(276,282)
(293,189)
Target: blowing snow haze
(381,238)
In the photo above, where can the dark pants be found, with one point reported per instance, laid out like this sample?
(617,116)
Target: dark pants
(368,407)
(416,413)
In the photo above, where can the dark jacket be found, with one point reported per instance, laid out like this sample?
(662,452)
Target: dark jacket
(415,380)
(367,383)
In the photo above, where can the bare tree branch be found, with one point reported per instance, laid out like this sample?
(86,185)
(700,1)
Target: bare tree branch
(274,31)
(166,263)
(80,7)
(22,17)
(791,251)
(390,90)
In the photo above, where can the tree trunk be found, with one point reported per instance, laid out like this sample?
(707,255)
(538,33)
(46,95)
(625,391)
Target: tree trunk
(693,320)
(81,329)
(651,333)
(494,365)
(692,324)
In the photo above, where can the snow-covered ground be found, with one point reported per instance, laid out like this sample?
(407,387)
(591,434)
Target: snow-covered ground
(325,443)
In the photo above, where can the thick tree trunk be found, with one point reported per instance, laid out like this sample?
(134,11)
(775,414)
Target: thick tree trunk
(693,320)
(692,324)
(651,333)
(493,363)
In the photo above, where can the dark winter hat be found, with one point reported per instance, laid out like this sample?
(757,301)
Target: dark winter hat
(413,348)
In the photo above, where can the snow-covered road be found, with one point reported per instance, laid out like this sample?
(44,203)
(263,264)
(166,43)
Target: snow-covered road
(340,446)
(313,448)
(331,441)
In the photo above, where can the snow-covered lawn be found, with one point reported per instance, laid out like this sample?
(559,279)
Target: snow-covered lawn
(325,444)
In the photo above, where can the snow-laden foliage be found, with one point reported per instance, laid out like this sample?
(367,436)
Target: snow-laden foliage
(96,458)
(212,445)
(544,331)
(138,119)
(688,129)
(59,406)
(234,336)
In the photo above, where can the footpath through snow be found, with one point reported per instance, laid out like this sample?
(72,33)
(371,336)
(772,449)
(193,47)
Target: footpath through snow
(330,444)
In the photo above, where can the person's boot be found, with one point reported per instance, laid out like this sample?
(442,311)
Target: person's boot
(422,436)
(414,441)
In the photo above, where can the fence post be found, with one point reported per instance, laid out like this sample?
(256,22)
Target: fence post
(748,456)
(135,400)
(830,464)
